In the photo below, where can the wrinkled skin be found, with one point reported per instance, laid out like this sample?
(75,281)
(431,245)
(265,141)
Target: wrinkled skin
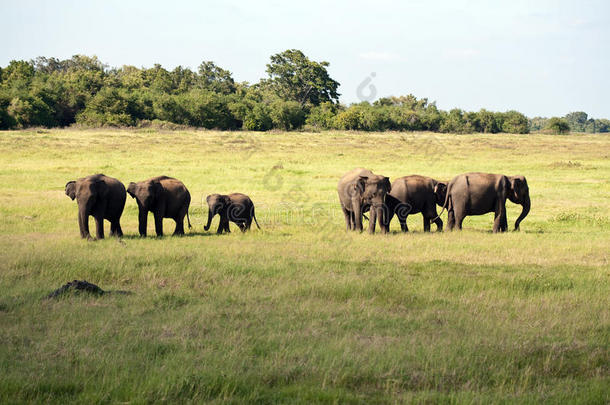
(480,193)
(360,190)
(101,197)
(416,194)
(165,197)
(236,207)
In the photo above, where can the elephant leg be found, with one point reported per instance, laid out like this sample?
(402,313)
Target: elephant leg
(99,226)
(499,217)
(503,222)
(248,223)
(451,220)
(115,229)
(142,221)
(459,219)
(179,225)
(426,223)
(403,223)
(223,224)
(439,223)
(81,225)
(158,223)
(348,218)
(83,221)
(372,220)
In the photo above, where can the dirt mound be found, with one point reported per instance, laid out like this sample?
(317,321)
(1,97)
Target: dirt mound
(78,287)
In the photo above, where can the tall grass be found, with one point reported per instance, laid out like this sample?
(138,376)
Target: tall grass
(301,311)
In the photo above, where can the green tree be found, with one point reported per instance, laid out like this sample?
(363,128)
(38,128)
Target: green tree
(558,125)
(216,79)
(323,115)
(577,120)
(515,123)
(292,76)
(287,115)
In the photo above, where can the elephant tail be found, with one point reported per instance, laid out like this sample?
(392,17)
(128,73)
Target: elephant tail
(255,221)
(445,204)
(188,219)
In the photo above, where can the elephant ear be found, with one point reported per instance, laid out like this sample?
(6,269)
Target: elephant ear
(517,188)
(101,188)
(131,189)
(157,189)
(440,192)
(387,184)
(71,189)
(226,200)
(360,185)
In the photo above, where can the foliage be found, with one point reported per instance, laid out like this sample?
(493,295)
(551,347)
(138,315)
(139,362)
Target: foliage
(558,125)
(50,92)
(294,77)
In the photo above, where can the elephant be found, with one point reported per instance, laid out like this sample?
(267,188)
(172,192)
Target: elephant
(480,193)
(102,197)
(360,190)
(235,207)
(166,197)
(416,194)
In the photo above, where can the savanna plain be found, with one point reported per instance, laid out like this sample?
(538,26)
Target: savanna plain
(302,311)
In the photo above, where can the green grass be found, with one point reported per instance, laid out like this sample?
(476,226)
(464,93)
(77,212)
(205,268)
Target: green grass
(302,312)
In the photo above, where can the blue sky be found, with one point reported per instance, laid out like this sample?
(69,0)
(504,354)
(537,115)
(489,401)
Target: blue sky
(539,57)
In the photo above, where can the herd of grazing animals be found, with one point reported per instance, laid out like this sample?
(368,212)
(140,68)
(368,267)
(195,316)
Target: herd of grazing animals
(360,191)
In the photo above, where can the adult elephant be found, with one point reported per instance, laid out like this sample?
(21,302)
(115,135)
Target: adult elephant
(416,194)
(360,190)
(102,197)
(235,207)
(165,197)
(480,193)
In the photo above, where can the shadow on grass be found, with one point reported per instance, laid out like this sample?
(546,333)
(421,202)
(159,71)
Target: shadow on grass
(152,237)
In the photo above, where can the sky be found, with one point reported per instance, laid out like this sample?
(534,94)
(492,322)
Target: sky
(542,58)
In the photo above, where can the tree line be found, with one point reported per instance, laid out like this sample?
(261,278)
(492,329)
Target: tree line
(297,93)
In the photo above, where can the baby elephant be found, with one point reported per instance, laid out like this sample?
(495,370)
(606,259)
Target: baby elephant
(166,197)
(236,207)
(102,197)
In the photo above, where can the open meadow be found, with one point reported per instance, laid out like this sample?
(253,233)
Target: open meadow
(301,311)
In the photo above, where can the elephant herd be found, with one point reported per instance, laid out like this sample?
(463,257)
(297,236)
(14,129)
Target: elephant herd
(360,191)
(103,197)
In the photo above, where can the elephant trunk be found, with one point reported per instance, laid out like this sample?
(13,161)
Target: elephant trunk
(382,217)
(83,221)
(210,216)
(524,212)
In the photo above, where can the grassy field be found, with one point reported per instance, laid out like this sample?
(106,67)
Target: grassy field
(301,311)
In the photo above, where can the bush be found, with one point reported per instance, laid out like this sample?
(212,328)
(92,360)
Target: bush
(515,123)
(107,108)
(258,118)
(287,115)
(558,125)
(349,119)
(322,116)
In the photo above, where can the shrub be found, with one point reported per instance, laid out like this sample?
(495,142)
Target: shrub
(287,115)
(558,125)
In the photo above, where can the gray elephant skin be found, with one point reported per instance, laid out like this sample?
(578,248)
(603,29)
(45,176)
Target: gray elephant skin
(165,197)
(102,197)
(360,190)
(236,207)
(416,194)
(481,193)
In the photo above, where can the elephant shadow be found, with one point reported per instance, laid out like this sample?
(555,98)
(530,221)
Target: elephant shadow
(186,235)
